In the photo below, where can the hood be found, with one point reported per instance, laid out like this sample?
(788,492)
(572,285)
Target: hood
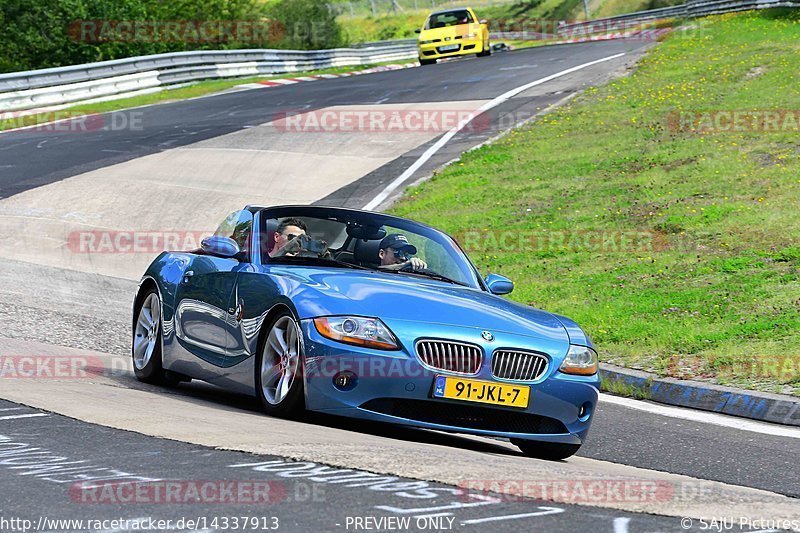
(451,32)
(389,296)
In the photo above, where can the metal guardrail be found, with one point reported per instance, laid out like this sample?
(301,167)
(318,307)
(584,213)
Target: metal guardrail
(691,9)
(57,86)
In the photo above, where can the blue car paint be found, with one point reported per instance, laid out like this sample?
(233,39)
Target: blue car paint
(412,307)
(555,395)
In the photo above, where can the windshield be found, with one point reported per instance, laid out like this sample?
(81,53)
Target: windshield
(351,239)
(448,18)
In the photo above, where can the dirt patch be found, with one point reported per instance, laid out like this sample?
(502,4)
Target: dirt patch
(764,159)
(672,165)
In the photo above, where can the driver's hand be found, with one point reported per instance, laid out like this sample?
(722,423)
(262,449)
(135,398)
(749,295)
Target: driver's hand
(416,263)
(291,248)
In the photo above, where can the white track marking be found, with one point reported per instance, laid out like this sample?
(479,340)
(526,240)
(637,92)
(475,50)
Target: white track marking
(11,409)
(432,515)
(450,134)
(703,417)
(621,524)
(545,511)
(14,417)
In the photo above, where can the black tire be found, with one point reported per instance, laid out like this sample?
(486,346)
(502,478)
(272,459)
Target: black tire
(550,451)
(424,62)
(148,369)
(487,51)
(293,403)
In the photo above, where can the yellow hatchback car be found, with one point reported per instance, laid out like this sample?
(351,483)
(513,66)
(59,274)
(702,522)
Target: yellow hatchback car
(453,32)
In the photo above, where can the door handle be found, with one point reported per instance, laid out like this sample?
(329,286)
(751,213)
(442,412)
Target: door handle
(187,276)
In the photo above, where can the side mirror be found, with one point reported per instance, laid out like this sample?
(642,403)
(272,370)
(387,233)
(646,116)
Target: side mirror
(499,284)
(418,30)
(219,246)
(482,21)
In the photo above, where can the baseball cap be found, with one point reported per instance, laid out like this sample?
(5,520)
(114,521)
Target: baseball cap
(397,241)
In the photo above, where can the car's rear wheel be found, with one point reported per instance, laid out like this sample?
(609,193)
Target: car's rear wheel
(551,451)
(424,62)
(279,380)
(146,346)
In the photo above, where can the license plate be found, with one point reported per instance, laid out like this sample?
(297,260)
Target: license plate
(472,390)
(448,48)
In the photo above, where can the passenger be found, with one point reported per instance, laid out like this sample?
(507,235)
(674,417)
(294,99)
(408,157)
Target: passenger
(395,253)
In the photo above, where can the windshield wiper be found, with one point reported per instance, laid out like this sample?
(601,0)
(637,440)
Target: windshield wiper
(429,274)
(317,261)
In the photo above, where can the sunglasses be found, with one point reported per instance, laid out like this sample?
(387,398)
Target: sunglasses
(290,236)
(403,255)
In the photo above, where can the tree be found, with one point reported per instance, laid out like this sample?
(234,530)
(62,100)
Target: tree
(307,24)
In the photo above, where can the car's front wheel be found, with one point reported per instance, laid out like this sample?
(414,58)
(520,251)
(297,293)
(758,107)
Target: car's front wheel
(279,380)
(487,50)
(551,451)
(424,62)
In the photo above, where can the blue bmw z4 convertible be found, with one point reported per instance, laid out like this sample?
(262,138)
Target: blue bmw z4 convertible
(364,315)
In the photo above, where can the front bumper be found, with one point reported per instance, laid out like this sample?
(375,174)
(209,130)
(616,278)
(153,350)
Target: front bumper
(394,387)
(465,47)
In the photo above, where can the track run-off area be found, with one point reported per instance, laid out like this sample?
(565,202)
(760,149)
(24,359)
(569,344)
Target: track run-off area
(67,194)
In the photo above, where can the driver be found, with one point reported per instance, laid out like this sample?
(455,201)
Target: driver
(288,230)
(395,253)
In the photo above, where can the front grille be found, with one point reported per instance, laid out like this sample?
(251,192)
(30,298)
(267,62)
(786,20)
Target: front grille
(450,356)
(519,366)
(466,416)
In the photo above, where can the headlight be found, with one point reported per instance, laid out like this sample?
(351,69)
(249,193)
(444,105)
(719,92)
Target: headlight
(580,360)
(361,331)
(470,36)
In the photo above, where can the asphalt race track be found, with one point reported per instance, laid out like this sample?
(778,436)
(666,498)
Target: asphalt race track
(181,166)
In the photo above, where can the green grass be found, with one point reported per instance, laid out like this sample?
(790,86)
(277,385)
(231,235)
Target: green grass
(621,388)
(194,90)
(382,27)
(713,292)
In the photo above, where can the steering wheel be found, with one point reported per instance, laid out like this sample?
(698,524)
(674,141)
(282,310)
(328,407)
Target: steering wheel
(410,268)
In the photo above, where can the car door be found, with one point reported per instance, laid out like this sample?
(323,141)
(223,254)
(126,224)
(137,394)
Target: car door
(206,312)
